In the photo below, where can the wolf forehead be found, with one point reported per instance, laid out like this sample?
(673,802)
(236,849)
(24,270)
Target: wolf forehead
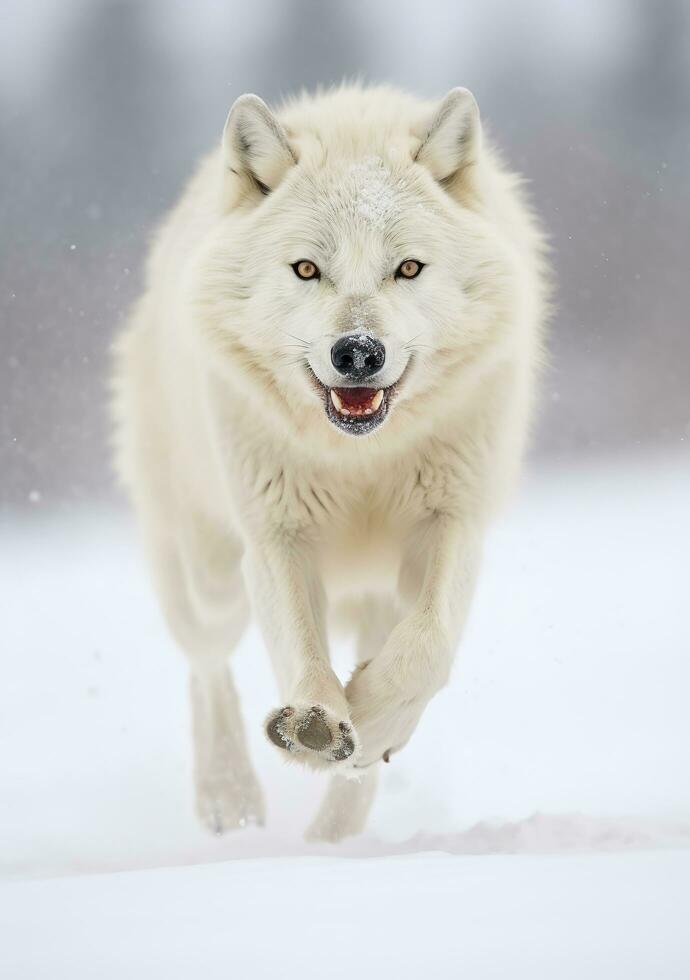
(355,151)
(365,190)
(369,198)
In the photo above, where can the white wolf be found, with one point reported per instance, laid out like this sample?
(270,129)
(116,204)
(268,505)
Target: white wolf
(321,398)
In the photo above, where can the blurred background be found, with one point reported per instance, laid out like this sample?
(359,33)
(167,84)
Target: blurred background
(105,105)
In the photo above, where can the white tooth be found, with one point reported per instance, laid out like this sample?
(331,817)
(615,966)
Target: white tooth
(335,398)
(343,411)
(376,402)
(367,411)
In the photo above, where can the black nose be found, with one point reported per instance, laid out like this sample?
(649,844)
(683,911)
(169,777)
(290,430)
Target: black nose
(358,356)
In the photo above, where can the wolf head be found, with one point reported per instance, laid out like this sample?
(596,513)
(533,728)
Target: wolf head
(356,274)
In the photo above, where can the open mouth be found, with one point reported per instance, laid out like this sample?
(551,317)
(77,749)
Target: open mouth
(357,410)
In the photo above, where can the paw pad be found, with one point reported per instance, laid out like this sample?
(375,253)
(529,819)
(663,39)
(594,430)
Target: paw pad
(312,733)
(276,734)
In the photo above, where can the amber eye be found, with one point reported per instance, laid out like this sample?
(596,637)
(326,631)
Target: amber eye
(409,269)
(304,269)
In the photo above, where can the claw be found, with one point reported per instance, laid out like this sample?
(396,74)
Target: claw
(217,821)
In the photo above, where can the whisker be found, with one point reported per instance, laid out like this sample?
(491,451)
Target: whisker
(296,361)
(301,340)
(417,347)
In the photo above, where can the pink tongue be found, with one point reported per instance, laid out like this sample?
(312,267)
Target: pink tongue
(355,397)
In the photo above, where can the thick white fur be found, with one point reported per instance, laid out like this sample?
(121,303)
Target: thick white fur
(249,497)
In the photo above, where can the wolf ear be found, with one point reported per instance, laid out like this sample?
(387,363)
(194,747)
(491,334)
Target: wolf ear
(452,142)
(255,145)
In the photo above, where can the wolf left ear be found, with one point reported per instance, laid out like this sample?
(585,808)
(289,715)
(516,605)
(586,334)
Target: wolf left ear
(453,140)
(255,144)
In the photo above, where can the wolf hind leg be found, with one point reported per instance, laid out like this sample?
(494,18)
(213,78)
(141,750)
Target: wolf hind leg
(345,807)
(197,570)
(348,800)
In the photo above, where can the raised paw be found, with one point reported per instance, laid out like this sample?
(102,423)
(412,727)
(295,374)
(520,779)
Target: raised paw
(312,734)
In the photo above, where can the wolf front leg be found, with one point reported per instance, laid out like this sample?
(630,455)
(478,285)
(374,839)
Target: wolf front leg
(313,726)
(388,694)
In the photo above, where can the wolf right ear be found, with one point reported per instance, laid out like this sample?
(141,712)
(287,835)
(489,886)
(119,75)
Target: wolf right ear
(255,145)
(452,141)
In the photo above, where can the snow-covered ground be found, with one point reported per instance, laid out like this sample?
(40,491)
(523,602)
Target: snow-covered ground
(537,825)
